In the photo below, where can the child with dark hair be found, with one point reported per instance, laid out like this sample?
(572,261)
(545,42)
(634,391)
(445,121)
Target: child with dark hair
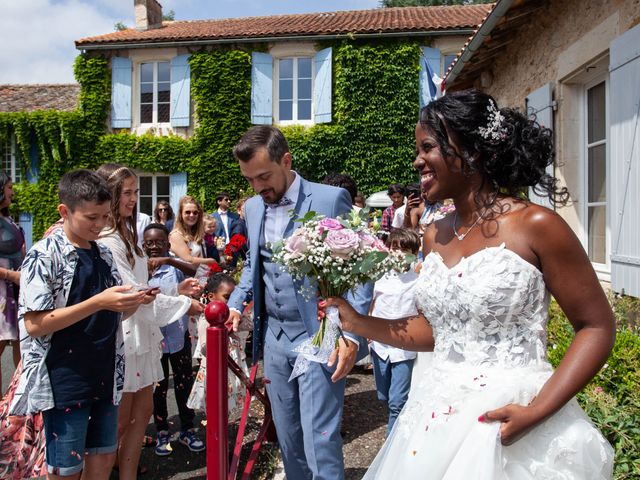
(394,298)
(219,288)
(490,405)
(176,348)
(396,193)
(73,351)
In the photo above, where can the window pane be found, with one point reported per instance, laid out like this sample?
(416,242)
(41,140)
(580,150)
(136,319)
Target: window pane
(286,68)
(304,68)
(596,113)
(164,72)
(286,110)
(286,89)
(162,186)
(146,97)
(163,112)
(146,113)
(144,205)
(598,174)
(146,72)
(146,186)
(304,89)
(597,234)
(163,95)
(304,110)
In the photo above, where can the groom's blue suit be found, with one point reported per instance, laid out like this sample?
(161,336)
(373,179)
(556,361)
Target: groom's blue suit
(307,411)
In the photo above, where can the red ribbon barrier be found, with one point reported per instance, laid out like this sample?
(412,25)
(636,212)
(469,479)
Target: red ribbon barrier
(217,314)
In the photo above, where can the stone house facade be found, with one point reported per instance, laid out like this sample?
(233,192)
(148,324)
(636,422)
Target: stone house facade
(575,64)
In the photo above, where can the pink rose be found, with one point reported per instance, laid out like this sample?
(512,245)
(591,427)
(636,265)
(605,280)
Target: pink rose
(329,224)
(380,246)
(367,240)
(297,243)
(342,242)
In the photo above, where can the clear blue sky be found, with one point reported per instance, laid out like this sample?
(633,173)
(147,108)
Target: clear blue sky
(36,36)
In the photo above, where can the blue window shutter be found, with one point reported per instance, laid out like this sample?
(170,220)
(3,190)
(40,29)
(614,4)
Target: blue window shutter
(121,71)
(622,185)
(180,91)
(322,86)
(261,89)
(177,189)
(26,222)
(540,104)
(429,65)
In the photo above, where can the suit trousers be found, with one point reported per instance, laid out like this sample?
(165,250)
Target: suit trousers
(307,412)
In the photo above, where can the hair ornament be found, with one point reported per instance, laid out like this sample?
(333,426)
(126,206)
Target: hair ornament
(494,131)
(116,172)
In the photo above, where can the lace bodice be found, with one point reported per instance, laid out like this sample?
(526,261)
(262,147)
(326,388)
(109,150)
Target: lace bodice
(490,308)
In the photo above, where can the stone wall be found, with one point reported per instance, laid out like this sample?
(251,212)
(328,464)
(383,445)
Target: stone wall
(531,60)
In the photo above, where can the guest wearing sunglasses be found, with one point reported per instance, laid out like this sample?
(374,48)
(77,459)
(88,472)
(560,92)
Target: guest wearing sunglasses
(188,233)
(163,213)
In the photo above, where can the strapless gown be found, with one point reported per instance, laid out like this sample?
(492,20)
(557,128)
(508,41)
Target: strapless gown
(489,317)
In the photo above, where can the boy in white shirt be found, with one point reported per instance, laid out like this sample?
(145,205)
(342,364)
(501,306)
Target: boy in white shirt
(393,298)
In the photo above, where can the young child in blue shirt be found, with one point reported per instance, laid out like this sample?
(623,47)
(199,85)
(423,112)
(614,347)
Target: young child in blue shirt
(69,314)
(176,346)
(393,298)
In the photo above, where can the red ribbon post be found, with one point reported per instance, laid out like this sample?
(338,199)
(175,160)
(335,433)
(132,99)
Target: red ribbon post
(217,314)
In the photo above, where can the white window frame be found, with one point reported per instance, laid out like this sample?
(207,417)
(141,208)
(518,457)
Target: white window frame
(603,270)
(137,58)
(9,151)
(154,115)
(154,189)
(276,93)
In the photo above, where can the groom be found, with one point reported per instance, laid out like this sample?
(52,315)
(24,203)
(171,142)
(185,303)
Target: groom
(307,411)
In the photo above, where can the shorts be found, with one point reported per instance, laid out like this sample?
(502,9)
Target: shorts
(73,432)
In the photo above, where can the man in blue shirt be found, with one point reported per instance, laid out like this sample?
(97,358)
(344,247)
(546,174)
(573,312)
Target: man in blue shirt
(176,348)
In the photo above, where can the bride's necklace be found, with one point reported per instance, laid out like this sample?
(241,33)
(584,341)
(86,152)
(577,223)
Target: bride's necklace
(461,236)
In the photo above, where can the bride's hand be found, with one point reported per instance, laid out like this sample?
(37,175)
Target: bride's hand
(516,421)
(348,316)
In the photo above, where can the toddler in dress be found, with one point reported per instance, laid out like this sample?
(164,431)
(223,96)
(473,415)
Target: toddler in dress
(219,287)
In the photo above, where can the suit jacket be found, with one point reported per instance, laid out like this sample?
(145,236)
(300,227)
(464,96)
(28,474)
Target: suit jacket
(232,217)
(322,199)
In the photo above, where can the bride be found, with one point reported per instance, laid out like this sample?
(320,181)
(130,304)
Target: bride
(490,406)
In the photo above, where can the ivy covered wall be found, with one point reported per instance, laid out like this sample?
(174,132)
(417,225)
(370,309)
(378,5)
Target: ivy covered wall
(375,106)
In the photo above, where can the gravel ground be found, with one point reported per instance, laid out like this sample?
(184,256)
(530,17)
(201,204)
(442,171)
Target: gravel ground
(363,431)
(364,423)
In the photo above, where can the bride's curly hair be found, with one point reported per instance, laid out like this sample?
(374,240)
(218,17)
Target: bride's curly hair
(509,149)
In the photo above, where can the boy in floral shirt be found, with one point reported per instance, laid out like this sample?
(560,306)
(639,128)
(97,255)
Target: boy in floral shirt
(69,317)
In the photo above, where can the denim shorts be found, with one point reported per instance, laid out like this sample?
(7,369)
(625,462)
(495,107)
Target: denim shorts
(75,431)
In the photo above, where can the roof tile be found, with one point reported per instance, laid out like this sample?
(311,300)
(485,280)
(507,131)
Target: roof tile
(28,98)
(380,21)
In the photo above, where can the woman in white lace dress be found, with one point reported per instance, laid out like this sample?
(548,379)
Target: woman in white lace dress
(490,406)
(141,331)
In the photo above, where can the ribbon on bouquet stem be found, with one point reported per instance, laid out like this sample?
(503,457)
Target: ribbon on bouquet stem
(309,352)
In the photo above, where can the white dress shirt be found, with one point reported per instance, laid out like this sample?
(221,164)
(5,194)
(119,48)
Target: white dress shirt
(394,297)
(276,218)
(398,217)
(225,222)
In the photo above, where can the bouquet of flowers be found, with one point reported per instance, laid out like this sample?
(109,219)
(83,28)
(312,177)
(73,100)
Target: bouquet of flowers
(337,255)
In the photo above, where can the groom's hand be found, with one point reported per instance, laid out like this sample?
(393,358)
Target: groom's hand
(346,353)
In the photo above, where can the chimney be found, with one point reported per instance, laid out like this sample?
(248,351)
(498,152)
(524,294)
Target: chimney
(148,14)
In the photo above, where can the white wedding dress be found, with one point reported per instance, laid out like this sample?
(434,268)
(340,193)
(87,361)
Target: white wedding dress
(489,316)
